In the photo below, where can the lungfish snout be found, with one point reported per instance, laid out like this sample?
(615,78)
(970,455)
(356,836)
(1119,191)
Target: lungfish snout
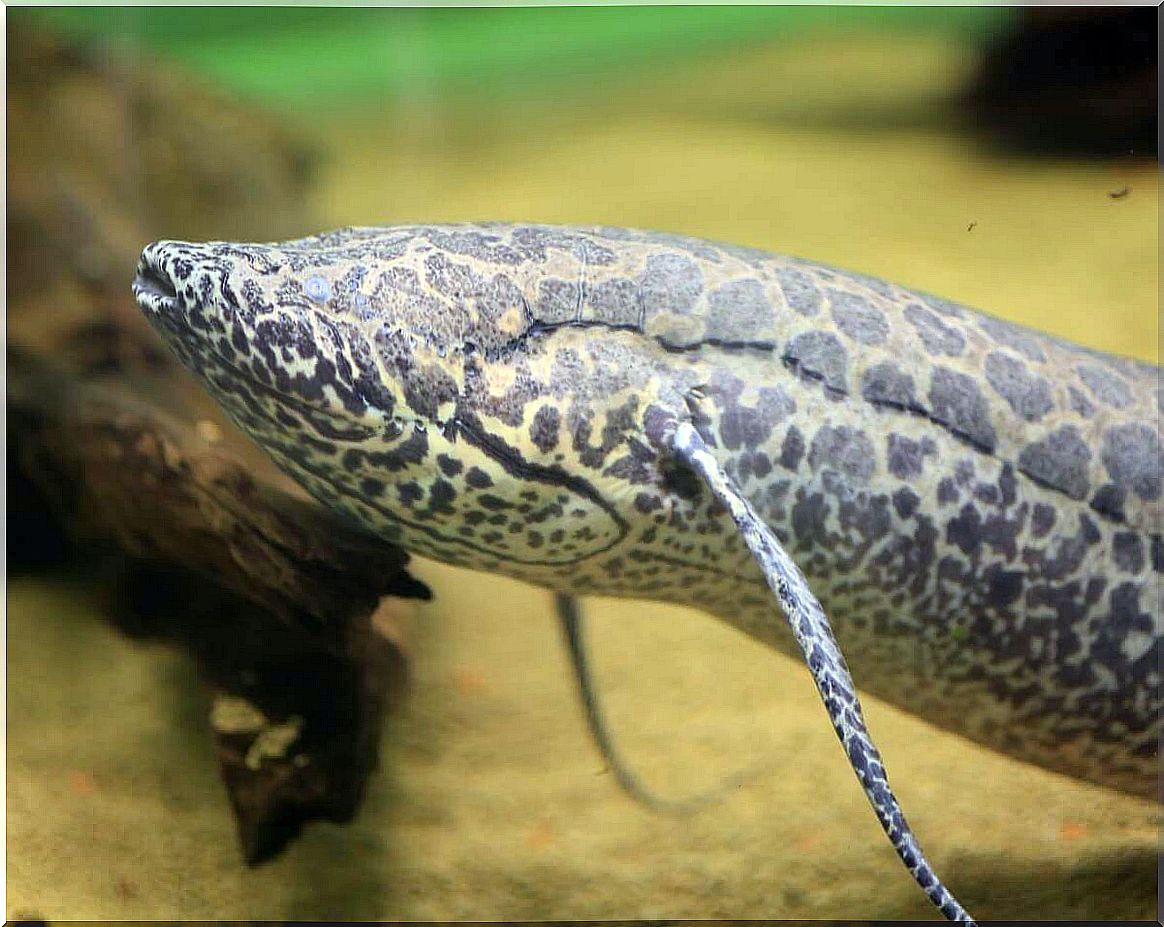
(175,276)
(154,284)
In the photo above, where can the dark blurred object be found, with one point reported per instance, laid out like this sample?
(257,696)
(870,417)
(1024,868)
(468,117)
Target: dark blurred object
(1073,81)
(113,445)
(36,540)
(295,728)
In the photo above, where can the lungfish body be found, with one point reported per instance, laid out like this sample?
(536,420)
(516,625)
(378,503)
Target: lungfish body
(977,506)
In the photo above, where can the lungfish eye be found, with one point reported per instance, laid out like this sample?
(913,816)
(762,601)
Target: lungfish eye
(317,288)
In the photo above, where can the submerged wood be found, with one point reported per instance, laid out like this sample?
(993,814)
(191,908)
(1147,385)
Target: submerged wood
(130,457)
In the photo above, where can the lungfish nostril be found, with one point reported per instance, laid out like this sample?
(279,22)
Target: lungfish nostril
(152,285)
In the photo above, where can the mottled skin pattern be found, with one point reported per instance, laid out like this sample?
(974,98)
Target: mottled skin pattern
(815,638)
(976,505)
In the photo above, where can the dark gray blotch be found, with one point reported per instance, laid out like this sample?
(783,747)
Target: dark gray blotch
(741,425)
(1059,461)
(888,385)
(819,356)
(410,492)
(1109,501)
(738,311)
(557,301)
(792,450)
(399,277)
(876,284)
(809,517)
(1042,519)
(537,240)
(671,283)
(943,306)
(496,298)
(905,456)
(615,301)
(799,290)
(1003,587)
(479,245)
(905,502)
(965,530)
(937,336)
(1128,551)
(957,404)
(1009,335)
(1105,385)
(1079,402)
(858,318)
(426,387)
(477,478)
(1027,393)
(1131,454)
(371,487)
(846,450)
(451,278)
(543,431)
(450,466)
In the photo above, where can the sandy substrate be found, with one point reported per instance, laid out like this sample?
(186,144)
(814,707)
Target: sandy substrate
(491,802)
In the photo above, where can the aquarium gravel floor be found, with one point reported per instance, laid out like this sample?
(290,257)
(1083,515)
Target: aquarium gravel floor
(491,802)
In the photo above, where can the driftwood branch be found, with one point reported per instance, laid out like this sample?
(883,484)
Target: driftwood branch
(125,462)
(288,611)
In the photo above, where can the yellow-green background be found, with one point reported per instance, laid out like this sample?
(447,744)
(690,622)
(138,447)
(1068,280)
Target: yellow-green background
(828,134)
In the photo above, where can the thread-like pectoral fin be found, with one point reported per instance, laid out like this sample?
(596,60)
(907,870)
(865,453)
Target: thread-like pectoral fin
(829,671)
(570,618)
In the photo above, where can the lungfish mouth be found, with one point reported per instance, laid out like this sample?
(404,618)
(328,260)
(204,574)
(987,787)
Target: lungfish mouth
(153,288)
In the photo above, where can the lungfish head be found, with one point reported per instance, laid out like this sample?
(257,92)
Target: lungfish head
(421,381)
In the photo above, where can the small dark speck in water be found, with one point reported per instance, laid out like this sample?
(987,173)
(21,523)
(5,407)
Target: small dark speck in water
(1120,193)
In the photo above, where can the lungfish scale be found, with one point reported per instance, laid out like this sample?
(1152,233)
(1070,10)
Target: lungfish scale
(976,505)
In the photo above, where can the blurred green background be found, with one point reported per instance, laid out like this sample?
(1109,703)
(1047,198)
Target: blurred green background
(834,133)
(302,56)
